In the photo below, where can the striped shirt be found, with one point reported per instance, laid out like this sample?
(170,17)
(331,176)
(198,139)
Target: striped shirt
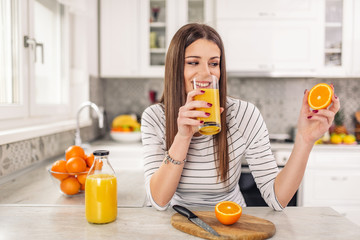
(199,185)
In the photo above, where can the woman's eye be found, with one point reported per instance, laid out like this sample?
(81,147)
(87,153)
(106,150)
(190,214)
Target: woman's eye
(192,63)
(214,64)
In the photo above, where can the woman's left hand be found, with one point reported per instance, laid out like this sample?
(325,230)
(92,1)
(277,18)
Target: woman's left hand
(313,124)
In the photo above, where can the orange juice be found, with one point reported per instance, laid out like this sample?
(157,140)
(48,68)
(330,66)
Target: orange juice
(101,198)
(212,124)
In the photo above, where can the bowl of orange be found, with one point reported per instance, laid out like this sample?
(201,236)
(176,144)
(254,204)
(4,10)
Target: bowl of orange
(69,174)
(125,137)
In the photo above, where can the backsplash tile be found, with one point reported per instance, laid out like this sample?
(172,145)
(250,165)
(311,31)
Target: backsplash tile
(126,96)
(19,155)
(279,99)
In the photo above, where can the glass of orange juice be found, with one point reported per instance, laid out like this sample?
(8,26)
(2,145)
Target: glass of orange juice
(209,84)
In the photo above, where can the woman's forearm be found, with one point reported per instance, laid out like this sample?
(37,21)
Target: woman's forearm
(289,178)
(165,180)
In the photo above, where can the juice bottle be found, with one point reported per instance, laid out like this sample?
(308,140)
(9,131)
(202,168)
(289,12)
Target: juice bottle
(101,190)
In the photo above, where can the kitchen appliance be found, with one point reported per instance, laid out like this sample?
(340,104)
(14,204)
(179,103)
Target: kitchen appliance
(247,227)
(193,218)
(248,186)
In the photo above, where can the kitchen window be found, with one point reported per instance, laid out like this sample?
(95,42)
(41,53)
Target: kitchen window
(34,63)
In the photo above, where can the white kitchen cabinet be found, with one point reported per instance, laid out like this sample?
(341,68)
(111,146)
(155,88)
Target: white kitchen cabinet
(136,34)
(339,41)
(119,38)
(331,179)
(289,9)
(308,38)
(266,38)
(355,60)
(269,46)
(156,34)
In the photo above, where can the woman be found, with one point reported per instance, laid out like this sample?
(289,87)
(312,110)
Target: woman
(187,168)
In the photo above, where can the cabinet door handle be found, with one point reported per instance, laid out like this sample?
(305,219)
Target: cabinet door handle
(266,66)
(267,14)
(339,178)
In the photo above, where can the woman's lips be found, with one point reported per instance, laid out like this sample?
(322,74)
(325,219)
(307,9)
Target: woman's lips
(202,84)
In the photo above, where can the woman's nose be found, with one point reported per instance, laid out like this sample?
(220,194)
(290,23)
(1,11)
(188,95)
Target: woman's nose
(205,70)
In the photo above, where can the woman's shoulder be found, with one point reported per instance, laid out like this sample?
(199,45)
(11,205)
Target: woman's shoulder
(242,114)
(239,107)
(154,113)
(155,109)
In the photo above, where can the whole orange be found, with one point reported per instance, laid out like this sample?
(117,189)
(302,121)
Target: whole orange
(75,151)
(59,166)
(70,186)
(228,212)
(82,178)
(98,164)
(76,165)
(90,160)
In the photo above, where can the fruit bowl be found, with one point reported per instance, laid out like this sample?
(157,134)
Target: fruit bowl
(69,184)
(126,137)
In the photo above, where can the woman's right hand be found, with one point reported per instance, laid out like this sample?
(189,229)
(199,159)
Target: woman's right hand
(187,121)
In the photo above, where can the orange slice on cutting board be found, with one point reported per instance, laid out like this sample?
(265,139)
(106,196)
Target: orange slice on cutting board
(320,96)
(228,212)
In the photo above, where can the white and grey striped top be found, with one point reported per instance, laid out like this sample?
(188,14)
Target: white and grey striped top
(199,184)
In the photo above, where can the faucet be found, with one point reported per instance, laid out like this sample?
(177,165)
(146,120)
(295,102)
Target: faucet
(99,114)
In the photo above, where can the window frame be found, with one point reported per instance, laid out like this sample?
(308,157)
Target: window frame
(27,113)
(18,110)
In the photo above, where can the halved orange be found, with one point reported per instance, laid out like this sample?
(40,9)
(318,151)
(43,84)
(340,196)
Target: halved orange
(228,212)
(320,96)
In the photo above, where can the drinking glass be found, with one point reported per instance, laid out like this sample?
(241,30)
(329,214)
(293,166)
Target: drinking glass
(209,84)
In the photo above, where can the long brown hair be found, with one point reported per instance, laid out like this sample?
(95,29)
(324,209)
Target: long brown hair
(174,95)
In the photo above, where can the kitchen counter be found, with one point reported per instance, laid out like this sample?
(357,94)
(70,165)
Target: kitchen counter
(34,186)
(319,147)
(31,207)
(68,222)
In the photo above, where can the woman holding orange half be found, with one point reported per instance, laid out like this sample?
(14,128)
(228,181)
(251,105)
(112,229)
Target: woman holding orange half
(182,166)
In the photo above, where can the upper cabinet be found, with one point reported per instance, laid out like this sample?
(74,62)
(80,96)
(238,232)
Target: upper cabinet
(135,34)
(285,9)
(290,38)
(274,38)
(160,21)
(295,38)
(340,39)
(119,38)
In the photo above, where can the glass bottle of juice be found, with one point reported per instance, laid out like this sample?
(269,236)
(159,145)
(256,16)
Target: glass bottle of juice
(101,190)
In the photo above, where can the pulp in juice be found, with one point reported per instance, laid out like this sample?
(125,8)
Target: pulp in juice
(212,124)
(100,198)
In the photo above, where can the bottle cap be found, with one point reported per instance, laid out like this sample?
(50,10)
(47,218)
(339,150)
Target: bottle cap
(101,153)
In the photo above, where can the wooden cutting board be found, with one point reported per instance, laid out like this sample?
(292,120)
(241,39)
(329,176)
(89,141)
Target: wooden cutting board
(247,227)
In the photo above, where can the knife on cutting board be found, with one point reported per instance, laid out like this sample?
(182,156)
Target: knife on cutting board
(193,218)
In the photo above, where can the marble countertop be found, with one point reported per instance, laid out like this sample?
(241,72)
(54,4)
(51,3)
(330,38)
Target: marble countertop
(275,146)
(35,187)
(31,207)
(68,222)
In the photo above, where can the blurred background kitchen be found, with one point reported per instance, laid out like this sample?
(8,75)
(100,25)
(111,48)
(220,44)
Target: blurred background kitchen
(56,54)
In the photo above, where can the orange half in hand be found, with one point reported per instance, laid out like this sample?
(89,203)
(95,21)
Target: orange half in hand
(320,96)
(228,212)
